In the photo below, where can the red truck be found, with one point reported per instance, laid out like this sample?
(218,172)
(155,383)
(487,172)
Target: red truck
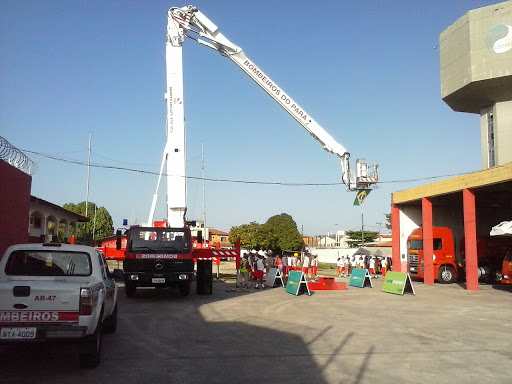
(506,270)
(163,257)
(158,257)
(449,262)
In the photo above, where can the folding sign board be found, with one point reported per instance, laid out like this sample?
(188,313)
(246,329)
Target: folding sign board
(360,277)
(398,283)
(274,277)
(297,283)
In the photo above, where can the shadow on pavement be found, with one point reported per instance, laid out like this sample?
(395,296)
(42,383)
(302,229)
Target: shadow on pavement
(163,338)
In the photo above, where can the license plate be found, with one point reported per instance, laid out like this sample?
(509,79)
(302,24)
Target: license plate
(156,280)
(18,333)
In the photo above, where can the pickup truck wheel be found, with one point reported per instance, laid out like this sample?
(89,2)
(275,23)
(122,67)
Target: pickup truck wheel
(110,322)
(185,288)
(90,353)
(446,274)
(129,289)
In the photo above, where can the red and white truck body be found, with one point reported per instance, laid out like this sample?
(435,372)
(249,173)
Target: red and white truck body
(449,259)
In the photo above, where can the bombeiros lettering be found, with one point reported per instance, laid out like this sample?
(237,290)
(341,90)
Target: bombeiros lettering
(22,316)
(301,115)
(159,256)
(262,77)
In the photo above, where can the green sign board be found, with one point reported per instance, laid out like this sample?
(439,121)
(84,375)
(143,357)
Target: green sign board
(273,275)
(398,283)
(297,283)
(360,277)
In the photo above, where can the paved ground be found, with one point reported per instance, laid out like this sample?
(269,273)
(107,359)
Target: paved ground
(443,334)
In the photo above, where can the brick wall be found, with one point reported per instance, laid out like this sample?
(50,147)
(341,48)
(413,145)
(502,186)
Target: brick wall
(14,206)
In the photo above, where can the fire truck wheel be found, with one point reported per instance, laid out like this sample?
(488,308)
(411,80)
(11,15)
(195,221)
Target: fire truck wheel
(185,288)
(446,274)
(129,289)
(496,277)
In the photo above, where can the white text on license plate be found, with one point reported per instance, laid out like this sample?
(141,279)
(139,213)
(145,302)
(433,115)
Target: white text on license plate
(17,333)
(156,280)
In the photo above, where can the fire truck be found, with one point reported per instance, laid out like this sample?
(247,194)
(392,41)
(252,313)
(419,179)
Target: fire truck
(449,259)
(162,255)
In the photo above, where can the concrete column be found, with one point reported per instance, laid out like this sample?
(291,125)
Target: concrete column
(470,240)
(395,240)
(428,241)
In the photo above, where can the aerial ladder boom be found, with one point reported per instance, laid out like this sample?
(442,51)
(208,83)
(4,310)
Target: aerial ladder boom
(192,23)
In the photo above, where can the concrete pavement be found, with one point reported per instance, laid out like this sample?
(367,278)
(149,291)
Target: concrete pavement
(443,334)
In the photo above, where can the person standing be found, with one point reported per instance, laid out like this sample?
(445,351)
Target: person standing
(252,265)
(243,275)
(295,261)
(314,267)
(351,264)
(305,266)
(284,260)
(372,265)
(260,267)
(278,263)
(384,266)
(339,263)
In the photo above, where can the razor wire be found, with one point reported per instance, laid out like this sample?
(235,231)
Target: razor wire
(16,158)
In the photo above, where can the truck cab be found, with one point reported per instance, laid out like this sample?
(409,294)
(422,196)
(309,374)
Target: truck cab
(158,257)
(445,266)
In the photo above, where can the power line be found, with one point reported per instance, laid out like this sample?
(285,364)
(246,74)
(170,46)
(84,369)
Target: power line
(118,168)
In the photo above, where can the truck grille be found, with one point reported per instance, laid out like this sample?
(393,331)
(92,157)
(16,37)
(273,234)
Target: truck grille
(158,265)
(413,263)
(413,260)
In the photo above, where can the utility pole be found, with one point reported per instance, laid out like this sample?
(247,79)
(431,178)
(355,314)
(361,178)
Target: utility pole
(202,178)
(379,224)
(362,230)
(88,176)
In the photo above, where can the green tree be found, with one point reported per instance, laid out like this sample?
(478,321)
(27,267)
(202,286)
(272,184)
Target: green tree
(356,240)
(246,233)
(285,235)
(277,234)
(100,224)
(388,220)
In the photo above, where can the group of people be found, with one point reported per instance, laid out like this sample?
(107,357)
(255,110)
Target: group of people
(254,265)
(374,264)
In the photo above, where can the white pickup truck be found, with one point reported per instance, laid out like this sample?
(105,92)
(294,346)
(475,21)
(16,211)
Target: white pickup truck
(57,291)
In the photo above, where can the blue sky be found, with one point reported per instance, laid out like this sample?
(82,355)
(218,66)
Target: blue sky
(368,72)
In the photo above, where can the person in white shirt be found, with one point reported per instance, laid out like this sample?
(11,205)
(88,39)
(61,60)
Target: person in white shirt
(314,267)
(372,265)
(384,266)
(260,267)
(305,266)
(342,266)
(293,261)
(284,260)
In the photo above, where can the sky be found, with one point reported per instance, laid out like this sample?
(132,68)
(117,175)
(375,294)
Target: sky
(367,72)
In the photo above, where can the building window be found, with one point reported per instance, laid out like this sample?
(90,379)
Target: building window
(490,140)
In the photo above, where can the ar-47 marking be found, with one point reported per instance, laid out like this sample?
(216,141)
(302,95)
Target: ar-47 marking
(44,298)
